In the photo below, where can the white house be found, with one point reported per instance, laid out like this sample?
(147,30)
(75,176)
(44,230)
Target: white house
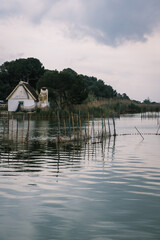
(22,97)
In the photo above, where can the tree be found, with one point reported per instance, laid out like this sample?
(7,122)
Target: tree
(50,79)
(78,93)
(34,70)
(29,70)
(147,101)
(65,87)
(124,96)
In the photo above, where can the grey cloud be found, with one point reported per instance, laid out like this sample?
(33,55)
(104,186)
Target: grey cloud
(47,5)
(113,21)
(8,9)
(35,10)
(108,21)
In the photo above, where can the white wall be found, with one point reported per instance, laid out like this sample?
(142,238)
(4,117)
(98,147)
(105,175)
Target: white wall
(13,103)
(21,93)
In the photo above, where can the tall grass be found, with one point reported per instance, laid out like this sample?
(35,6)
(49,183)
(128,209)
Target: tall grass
(97,108)
(115,106)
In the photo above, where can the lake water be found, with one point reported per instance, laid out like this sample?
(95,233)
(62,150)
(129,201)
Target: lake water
(99,191)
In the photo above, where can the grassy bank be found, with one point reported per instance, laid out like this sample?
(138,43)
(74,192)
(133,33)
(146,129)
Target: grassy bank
(99,108)
(116,107)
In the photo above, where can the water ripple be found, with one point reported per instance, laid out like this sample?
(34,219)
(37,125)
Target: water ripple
(86,191)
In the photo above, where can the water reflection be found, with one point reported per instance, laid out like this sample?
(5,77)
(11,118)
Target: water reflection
(35,156)
(89,190)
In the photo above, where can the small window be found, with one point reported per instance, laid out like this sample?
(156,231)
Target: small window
(21,103)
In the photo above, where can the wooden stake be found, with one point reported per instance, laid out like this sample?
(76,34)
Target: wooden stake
(12,128)
(105,127)
(158,130)
(80,124)
(93,134)
(27,135)
(8,124)
(98,129)
(17,131)
(139,133)
(65,128)
(114,126)
(22,126)
(88,124)
(58,123)
(69,127)
(77,127)
(109,127)
(102,128)
(73,125)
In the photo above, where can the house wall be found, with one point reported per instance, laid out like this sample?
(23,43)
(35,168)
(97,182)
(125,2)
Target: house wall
(20,95)
(13,103)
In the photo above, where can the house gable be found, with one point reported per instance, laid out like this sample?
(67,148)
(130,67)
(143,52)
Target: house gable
(20,93)
(23,91)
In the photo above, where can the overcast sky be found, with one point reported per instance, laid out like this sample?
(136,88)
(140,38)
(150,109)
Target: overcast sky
(117,41)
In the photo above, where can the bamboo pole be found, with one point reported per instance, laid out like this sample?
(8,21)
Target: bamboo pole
(29,122)
(8,124)
(17,131)
(69,126)
(12,128)
(4,126)
(73,125)
(102,129)
(88,124)
(114,126)
(98,129)
(65,128)
(77,127)
(58,118)
(58,123)
(109,128)
(139,133)
(93,132)
(105,131)
(85,131)
(80,125)
(22,127)
(158,130)
(28,129)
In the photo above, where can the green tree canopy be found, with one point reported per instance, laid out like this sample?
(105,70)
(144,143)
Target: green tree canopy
(29,70)
(65,87)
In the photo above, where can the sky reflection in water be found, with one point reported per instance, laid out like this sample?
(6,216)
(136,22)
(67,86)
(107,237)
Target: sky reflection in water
(87,191)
